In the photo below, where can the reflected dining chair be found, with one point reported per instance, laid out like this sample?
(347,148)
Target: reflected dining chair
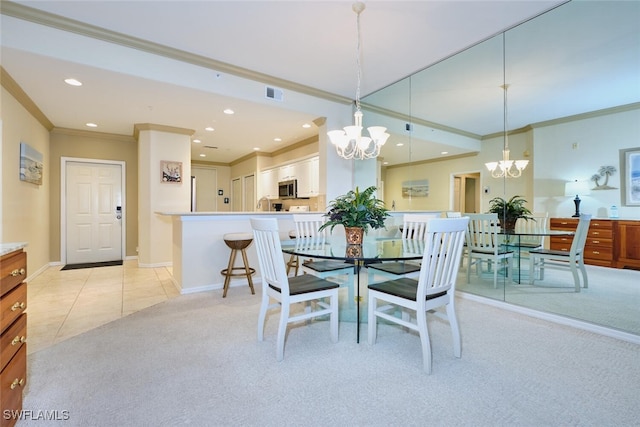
(572,260)
(414,228)
(484,246)
(434,288)
(306,231)
(285,291)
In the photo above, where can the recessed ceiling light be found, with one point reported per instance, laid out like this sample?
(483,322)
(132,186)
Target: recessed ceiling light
(209,129)
(256,148)
(444,152)
(203,155)
(228,111)
(73,82)
(399,144)
(385,163)
(92,125)
(197,141)
(306,125)
(277,139)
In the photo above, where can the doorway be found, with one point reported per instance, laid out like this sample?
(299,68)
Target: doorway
(205,188)
(466,192)
(92,211)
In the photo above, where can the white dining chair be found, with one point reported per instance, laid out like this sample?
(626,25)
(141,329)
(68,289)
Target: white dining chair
(414,228)
(573,260)
(484,245)
(434,288)
(285,291)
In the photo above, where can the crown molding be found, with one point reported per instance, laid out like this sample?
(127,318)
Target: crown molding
(69,25)
(21,96)
(92,134)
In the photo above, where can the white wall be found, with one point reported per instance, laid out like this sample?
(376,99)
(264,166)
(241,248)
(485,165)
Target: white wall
(576,150)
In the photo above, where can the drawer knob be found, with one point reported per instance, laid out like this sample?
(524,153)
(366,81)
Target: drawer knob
(18,272)
(19,340)
(17,382)
(596,241)
(18,305)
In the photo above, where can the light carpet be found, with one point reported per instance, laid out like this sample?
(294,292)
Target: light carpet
(195,360)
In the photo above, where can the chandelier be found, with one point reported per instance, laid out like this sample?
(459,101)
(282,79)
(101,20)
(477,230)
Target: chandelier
(506,167)
(349,143)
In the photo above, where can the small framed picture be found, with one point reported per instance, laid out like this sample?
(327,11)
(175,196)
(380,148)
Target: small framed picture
(171,171)
(630,179)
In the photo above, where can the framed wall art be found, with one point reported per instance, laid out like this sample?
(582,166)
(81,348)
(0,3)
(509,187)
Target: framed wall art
(171,171)
(419,188)
(31,166)
(630,179)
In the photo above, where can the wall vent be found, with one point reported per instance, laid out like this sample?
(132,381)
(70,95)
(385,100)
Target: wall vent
(274,93)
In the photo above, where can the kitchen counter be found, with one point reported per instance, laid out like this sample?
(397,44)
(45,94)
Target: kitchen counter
(199,252)
(6,248)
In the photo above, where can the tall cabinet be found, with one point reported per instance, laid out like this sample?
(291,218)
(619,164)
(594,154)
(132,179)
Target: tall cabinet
(13,326)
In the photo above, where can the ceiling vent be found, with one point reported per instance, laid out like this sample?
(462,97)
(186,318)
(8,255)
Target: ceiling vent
(274,93)
(211,146)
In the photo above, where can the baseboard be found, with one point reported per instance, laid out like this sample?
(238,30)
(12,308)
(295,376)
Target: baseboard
(555,318)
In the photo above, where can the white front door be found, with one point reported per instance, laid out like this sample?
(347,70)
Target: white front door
(94,212)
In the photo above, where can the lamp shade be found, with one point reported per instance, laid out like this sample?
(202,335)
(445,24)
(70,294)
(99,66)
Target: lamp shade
(576,188)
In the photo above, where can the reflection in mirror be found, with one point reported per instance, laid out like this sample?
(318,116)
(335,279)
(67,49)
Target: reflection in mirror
(573,107)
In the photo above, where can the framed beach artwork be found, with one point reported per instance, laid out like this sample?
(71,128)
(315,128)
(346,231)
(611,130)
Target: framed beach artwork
(171,171)
(419,188)
(630,179)
(31,166)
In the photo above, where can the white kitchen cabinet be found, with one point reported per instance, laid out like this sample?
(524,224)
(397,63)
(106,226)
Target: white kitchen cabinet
(307,172)
(287,172)
(269,184)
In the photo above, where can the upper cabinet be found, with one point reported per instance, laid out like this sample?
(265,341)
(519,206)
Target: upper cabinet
(269,184)
(306,172)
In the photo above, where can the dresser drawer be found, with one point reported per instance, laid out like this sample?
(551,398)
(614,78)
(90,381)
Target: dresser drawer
(558,243)
(13,379)
(563,224)
(601,224)
(13,270)
(605,254)
(12,339)
(12,305)
(601,233)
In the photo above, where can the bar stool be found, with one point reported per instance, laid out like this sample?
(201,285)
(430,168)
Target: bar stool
(293,262)
(237,242)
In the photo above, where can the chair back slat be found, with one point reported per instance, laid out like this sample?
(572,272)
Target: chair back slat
(443,249)
(538,223)
(269,249)
(415,225)
(307,225)
(482,233)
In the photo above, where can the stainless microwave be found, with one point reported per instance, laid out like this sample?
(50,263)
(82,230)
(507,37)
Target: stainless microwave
(288,189)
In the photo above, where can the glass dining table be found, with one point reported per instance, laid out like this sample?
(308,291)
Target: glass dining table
(373,250)
(518,242)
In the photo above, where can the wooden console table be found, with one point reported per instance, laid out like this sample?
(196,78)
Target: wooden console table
(610,242)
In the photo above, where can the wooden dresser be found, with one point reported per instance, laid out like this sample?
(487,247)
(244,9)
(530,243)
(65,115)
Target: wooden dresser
(13,329)
(610,242)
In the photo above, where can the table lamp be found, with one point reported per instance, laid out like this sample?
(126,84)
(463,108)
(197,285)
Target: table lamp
(577,188)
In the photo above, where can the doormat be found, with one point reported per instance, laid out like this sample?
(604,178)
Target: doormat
(91,265)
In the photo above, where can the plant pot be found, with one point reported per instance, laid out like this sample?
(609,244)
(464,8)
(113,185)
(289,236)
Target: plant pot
(353,251)
(354,235)
(508,225)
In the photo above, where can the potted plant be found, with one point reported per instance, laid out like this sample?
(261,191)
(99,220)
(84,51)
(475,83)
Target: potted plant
(356,211)
(509,211)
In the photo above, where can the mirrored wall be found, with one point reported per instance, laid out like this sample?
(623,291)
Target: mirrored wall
(572,108)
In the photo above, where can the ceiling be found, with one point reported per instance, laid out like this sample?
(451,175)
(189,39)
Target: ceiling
(180,63)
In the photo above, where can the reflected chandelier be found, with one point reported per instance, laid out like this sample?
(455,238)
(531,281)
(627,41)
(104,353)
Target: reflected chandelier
(349,143)
(506,168)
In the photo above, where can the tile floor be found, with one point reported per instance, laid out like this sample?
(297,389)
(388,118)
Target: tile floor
(62,304)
